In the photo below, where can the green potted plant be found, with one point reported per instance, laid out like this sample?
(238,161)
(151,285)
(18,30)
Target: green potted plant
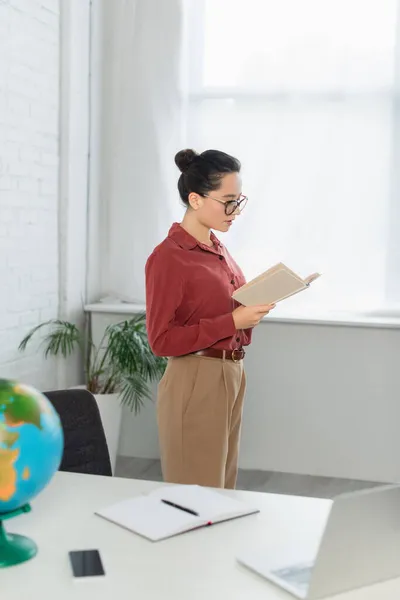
(117,371)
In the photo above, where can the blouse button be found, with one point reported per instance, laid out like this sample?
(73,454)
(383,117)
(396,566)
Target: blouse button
(221,257)
(238,339)
(232,281)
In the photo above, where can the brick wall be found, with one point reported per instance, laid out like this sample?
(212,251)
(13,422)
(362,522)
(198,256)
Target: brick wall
(29,106)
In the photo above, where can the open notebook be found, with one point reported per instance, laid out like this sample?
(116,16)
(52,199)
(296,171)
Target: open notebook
(156,516)
(272,286)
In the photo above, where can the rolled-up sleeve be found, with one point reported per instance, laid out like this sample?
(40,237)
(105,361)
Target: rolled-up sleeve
(164,294)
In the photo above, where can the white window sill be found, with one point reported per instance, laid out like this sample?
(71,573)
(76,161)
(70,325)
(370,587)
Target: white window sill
(338,318)
(116,308)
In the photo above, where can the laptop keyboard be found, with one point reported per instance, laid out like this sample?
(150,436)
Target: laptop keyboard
(297,575)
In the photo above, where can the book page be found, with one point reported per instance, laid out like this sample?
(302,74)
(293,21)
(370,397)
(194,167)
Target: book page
(271,271)
(150,518)
(308,280)
(270,290)
(211,506)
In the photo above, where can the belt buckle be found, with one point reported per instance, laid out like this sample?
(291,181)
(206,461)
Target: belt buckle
(236,360)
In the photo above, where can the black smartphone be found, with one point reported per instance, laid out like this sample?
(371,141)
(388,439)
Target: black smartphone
(86,563)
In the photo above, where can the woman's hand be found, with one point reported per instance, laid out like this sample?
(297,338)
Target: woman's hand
(246,317)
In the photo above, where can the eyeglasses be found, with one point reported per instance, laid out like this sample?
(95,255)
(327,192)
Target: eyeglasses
(232,205)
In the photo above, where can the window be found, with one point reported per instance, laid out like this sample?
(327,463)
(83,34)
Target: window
(305,94)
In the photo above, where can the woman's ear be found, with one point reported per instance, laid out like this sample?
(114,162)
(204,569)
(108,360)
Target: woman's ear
(195,201)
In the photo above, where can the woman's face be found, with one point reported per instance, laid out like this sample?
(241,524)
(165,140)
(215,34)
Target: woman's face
(210,209)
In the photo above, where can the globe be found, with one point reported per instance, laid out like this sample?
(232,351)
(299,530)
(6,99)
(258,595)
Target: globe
(31,447)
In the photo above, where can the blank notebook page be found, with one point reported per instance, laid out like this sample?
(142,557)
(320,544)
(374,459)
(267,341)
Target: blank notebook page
(149,517)
(209,504)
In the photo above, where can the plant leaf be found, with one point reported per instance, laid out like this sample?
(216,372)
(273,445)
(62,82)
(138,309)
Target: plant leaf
(32,332)
(129,349)
(134,391)
(62,339)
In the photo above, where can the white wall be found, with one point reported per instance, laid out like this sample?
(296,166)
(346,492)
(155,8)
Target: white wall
(29,100)
(44,132)
(96,224)
(74,171)
(321,400)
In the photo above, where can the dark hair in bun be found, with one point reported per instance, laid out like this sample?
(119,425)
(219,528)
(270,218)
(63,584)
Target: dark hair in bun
(184,159)
(202,173)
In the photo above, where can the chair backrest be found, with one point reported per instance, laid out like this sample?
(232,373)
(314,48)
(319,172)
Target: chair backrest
(85,445)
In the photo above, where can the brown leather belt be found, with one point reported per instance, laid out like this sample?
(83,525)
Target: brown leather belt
(236,355)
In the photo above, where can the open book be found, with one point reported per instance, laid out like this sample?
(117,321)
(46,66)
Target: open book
(276,284)
(171,510)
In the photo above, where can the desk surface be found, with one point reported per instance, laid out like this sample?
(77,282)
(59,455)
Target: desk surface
(194,566)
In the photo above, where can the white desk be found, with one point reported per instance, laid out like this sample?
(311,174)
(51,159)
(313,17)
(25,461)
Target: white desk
(199,565)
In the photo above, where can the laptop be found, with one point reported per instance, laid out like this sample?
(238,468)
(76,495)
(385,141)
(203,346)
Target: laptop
(360,546)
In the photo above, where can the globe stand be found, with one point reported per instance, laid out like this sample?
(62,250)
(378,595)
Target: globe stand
(15,549)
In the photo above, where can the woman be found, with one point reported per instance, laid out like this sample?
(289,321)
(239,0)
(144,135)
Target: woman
(192,319)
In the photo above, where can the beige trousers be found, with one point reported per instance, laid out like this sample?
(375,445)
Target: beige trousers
(199,414)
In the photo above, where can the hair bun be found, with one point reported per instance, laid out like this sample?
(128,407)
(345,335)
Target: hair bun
(184,159)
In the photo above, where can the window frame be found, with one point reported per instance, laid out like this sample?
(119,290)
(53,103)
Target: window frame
(197,92)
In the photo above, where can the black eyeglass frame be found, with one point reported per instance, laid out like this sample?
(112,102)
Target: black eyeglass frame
(231,206)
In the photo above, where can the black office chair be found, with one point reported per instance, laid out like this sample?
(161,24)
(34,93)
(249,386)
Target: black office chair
(85,445)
